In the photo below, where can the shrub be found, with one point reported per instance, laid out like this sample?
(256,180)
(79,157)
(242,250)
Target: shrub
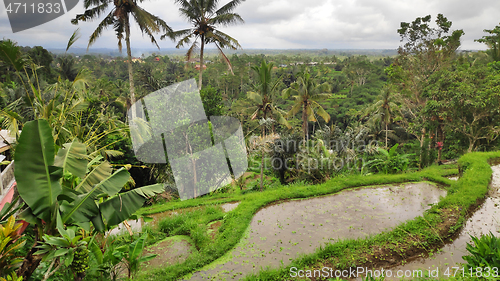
(484,253)
(390,162)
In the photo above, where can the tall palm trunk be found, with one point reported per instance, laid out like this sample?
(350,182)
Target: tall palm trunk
(129,63)
(262,171)
(262,160)
(304,121)
(201,61)
(386,135)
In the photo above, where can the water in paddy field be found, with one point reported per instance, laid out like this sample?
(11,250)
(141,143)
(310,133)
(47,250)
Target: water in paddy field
(281,232)
(484,220)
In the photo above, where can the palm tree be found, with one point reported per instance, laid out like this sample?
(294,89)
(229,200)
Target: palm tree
(118,18)
(384,110)
(307,92)
(205,17)
(263,96)
(67,68)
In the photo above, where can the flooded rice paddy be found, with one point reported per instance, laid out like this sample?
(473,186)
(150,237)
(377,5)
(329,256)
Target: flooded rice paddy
(171,250)
(484,220)
(281,232)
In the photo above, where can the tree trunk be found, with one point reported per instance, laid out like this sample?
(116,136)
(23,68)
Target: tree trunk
(201,62)
(471,145)
(422,139)
(262,172)
(30,262)
(386,135)
(304,121)
(440,133)
(130,72)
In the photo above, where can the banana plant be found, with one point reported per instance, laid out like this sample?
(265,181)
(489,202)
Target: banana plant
(133,258)
(68,249)
(53,203)
(390,161)
(108,259)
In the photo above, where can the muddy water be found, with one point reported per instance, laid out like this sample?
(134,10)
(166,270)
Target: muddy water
(280,233)
(170,251)
(228,207)
(484,220)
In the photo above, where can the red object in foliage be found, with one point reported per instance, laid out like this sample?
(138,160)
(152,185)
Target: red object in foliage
(21,230)
(439,145)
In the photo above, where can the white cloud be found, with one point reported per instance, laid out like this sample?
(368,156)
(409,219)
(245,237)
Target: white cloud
(285,24)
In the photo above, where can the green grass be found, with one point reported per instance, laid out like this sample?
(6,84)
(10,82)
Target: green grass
(462,194)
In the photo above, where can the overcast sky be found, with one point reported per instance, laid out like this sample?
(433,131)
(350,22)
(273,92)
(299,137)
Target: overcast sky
(288,24)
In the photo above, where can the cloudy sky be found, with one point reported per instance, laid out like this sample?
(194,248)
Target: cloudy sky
(288,24)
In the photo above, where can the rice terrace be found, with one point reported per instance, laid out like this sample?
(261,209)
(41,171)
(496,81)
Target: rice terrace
(326,140)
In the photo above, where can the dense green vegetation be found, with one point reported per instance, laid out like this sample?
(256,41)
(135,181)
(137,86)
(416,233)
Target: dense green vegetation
(313,124)
(422,233)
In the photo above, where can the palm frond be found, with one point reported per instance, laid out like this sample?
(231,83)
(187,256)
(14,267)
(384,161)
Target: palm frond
(228,7)
(185,41)
(190,51)
(210,6)
(226,19)
(224,40)
(184,3)
(107,21)
(147,23)
(93,13)
(11,121)
(320,96)
(88,3)
(255,113)
(225,59)
(113,153)
(119,27)
(75,36)
(310,114)
(321,111)
(177,34)
(189,13)
(255,97)
(278,115)
(295,109)
(286,93)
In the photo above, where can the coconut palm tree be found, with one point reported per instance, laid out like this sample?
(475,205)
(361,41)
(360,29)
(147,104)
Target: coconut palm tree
(307,92)
(118,18)
(263,95)
(205,17)
(384,110)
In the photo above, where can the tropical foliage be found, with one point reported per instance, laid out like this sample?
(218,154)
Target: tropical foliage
(306,93)
(119,19)
(483,252)
(10,243)
(71,190)
(206,17)
(362,117)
